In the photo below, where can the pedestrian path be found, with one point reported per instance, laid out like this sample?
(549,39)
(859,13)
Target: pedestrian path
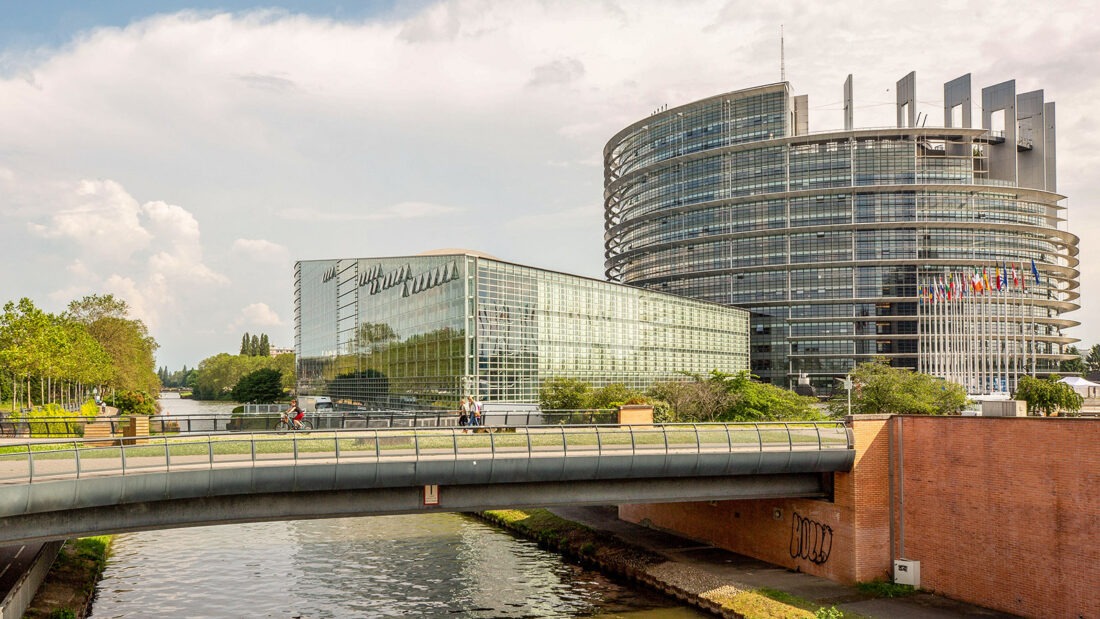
(704,568)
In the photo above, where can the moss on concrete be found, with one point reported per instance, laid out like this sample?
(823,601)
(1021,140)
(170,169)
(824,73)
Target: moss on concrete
(70,585)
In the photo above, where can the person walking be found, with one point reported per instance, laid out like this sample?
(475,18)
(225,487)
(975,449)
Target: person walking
(464,413)
(474,407)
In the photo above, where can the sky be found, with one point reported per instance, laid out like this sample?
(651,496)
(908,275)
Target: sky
(184,155)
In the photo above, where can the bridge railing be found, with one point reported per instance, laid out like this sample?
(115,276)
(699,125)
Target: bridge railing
(72,427)
(44,460)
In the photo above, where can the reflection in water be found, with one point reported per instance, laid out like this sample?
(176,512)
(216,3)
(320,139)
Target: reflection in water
(430,565)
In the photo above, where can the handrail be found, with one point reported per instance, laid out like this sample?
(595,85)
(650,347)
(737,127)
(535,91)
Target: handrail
(36,461)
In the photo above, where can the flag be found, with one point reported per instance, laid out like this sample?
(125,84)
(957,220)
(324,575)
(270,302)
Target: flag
(975,282)
(1015,275)
(1035,271)
(1004,273)
(997,276)
(985,279)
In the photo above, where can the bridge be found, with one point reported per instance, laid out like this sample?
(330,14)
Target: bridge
(59,489)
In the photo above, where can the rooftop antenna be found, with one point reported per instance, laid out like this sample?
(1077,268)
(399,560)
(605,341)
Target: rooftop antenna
(782,58)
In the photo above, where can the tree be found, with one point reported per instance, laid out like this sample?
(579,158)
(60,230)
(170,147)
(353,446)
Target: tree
(1047,396)
(611,396)
(732,397)
(133,402)
(561,393)
(265,346)
(1076,365)
(263,386)
(699,400)
(756,401)
(1093,358)
(126,341)
(880,388)
(246,344)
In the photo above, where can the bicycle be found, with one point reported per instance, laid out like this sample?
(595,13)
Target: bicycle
(286,424)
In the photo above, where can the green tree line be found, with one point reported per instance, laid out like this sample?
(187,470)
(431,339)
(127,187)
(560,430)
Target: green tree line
(64,358)
(716,397)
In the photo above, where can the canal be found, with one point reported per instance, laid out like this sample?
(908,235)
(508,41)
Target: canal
(434,565)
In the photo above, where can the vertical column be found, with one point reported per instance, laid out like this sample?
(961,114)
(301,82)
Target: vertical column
(1000,100)
(907,100)
(848,106)
(1031,149)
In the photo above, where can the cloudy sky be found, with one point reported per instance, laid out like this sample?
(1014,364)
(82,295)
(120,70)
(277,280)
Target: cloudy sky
(185,156)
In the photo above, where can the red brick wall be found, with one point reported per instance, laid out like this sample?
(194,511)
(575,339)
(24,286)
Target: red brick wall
(854,547)
(1001,512)
(1005,512)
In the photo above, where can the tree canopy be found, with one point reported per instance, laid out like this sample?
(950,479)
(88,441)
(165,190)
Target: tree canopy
(255,345)
(1048,396)
(880,388)
(126,341)
(1076,365)
(262,386)
(218,375)
(721,396)
(50,357)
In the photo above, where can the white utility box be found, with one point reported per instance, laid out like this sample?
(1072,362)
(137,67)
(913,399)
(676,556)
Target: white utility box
(907,572)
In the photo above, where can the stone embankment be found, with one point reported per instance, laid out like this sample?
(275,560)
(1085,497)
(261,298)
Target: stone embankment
(610,555)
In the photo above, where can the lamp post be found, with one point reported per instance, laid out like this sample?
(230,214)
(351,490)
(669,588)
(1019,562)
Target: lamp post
(847,382)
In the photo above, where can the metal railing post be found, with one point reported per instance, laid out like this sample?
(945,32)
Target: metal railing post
(790,439)
(294,441)
(210,450)
(30,465)
(664,433)
(76,453)
(336,442)
(167,454)
(377,447)
(564,443)
(818,428)
(122,453)
(698,439)
(492,445)
(599,443)
(416,445)
(633,445)
(759,438)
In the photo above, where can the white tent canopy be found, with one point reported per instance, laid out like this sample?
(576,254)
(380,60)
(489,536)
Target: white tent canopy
(1082,386)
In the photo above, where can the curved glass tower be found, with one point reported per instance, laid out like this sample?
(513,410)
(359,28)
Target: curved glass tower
(943,249)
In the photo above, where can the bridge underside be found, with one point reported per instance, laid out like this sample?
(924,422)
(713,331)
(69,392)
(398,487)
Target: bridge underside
(301,504)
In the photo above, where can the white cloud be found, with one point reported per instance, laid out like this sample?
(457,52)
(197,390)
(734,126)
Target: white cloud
(404,210)
(445,127)
(261,250)
(256,315)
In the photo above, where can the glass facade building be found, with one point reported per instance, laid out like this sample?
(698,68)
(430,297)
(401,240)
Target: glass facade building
(422,331)
(856,244)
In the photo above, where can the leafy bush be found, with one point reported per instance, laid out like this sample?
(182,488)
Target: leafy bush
(130,402)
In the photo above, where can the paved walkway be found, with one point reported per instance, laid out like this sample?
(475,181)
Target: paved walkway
(714,565)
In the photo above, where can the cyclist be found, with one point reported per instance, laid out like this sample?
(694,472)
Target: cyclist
(296,414)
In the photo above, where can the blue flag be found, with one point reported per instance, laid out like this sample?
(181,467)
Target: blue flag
(1034,271)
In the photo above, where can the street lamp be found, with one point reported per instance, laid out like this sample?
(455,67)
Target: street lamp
(847,382)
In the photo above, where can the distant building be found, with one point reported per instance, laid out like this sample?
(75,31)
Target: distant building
(422,331)
(275,352)
(942,249)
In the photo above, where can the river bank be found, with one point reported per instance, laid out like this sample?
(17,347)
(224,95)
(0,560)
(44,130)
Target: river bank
(69,587)
(612,555)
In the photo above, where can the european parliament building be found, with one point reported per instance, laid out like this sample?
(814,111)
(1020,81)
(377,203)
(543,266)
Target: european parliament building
(422,331)
(943,249)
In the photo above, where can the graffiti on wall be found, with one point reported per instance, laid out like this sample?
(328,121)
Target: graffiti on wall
(810,540)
